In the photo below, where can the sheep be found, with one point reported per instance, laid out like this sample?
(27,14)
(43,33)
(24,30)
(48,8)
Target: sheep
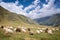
(8,30)
(29,29)
(2,27)
(14,29)
(46,30)
(23,30)
(50,31)
(18,30)
(57,29)
(31,32)
(53,29)
(37,31)
(41,30)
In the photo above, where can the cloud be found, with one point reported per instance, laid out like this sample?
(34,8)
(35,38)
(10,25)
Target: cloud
(33,5)
(16,2)
(37,12)
(47,10)
(13,7)
(33,13)
(36,2)
(47,0)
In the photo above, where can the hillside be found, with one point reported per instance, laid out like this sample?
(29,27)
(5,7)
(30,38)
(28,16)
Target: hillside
(9,18)
(53,20)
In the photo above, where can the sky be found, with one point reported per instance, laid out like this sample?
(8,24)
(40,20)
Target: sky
(32,8)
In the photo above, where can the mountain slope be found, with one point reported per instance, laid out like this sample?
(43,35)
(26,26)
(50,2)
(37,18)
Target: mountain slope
(53,20)
(9,18)
(39,20)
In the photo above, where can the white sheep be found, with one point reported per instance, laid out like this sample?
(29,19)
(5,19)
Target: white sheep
(41,30)
(8,30)
(53,29)
(50,31)
(57,29)
(37,31)
(31,32)
(23,30)
(14,29)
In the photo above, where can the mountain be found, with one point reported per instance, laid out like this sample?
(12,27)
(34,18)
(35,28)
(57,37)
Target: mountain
(53,20)
(9,18)
(39,20)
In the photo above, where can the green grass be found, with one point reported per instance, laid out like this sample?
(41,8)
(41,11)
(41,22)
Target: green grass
(26,36)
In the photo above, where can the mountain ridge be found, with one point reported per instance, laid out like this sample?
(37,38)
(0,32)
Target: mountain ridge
(53,20)
(7,17)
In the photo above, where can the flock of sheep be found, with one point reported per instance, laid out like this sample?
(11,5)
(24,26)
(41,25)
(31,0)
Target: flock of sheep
(25,30)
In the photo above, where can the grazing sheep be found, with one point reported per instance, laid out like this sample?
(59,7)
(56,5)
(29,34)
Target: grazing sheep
(37,31)
(46,30)
(23,30)
(50,32)
(14,29)
(41,30)
(31,32)
(2,27)
(29,29)
(57,29)
(8,30)
(18,30)
(53,29)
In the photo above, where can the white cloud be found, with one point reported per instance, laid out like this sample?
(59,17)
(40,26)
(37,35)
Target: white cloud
(13,7)
(16,2)
(36,2)
(47,10)
(47,0)
(29,7)
(33,5)
(33,14)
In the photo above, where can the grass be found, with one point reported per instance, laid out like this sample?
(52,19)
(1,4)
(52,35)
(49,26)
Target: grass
(26,36)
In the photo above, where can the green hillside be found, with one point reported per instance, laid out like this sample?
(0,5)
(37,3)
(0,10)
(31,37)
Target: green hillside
(9,18)
(53,20)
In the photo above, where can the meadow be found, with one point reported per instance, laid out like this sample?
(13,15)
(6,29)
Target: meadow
(26,36)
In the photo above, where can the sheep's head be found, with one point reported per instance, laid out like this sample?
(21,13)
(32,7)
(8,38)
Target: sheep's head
(2,27)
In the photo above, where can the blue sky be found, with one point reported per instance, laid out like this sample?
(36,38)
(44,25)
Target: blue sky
(26,3)
(32,8)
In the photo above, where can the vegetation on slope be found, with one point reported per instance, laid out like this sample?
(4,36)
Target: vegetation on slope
(53,20)
(9,18)
(26,36)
